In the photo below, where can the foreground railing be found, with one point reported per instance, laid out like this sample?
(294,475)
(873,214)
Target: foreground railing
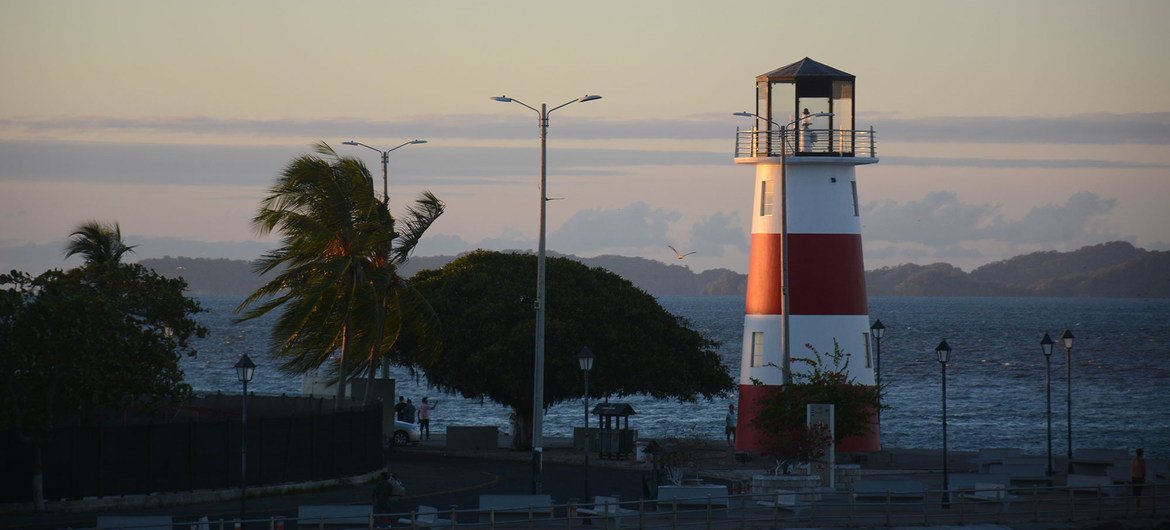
(806,142)
(970,506)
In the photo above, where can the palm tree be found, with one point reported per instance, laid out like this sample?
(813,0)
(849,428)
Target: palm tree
(336,265)
(98,243)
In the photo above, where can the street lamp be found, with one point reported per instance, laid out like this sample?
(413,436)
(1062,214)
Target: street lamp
(538,364)
(1066,339)
(244,370)
(943,350)
(878,330)
(385,162)
(785,350)
(1046,347)
(585,359)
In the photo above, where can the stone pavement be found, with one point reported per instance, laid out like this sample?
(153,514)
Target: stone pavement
(448,479)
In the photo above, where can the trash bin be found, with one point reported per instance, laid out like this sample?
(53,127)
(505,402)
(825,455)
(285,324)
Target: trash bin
(614,441)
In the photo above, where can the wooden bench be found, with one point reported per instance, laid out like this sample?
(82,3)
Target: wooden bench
(607,508)
(785,500)
(510,506)
(992,492)
(425,517)
(334,514)
(694,495)
(901,490)
(134,522)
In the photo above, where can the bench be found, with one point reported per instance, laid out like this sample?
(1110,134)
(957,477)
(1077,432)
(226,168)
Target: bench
(991,492)
(334,514)
(694,495)
(134,522)
(607,508)
(1095,484)
(988,458)
(888,489)
(1026,474)
(1094,461)
(494,505)
(785,500)
(425,516)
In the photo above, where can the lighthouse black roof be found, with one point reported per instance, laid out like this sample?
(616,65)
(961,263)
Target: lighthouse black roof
(805,69)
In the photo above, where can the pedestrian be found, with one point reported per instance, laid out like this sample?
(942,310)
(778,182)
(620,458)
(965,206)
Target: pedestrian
(398,408)
(1137,474)
(424,416)
(383,491)
(408,411)
(729,425)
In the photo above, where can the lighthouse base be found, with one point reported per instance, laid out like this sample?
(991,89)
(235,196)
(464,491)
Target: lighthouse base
(749,438)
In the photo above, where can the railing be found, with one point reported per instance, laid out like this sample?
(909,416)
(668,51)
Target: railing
(1013,505)
(805,142)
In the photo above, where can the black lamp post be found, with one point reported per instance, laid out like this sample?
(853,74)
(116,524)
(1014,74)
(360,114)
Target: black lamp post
(244,370)
(1046,347)
(585,359)
(878,330)
(944,353)
(1067,339)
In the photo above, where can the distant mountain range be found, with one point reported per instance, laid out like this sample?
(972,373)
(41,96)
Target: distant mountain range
(1115,269)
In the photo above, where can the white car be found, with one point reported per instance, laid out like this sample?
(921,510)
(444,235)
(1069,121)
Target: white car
(405,433)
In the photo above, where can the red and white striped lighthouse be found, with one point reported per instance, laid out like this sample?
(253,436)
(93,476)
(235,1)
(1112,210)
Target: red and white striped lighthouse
(806,279)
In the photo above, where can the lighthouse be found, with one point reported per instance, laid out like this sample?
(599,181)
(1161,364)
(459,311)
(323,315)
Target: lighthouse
(806,278)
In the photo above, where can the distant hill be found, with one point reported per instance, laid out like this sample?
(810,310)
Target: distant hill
(1115,269)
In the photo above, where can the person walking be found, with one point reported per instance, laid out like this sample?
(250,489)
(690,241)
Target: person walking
(729,425)
(424,416)
(1137,474)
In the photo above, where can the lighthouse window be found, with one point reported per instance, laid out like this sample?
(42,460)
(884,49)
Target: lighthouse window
(855,210)
(757,348)
(766,198)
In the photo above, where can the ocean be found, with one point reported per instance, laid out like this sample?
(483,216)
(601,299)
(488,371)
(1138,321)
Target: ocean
(995,379)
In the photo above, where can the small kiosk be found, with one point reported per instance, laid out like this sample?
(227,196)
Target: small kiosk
(614,440)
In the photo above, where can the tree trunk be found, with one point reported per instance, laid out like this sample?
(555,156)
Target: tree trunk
(522,430)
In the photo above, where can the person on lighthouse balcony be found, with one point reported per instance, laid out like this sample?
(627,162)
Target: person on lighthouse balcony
(807,138)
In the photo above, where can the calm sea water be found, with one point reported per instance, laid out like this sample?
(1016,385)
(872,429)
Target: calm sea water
(995,380)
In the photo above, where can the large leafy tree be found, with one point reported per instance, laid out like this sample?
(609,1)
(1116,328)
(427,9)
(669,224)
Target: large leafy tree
(336,268)
(98,338)
(98,243)
(485,299)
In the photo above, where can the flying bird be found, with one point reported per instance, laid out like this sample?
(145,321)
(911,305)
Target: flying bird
(678,254)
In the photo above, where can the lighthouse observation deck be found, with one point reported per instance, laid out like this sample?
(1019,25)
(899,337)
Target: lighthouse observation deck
(858,145)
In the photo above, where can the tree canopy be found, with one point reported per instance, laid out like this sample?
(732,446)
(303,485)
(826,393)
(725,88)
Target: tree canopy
(98,243)
(485,303)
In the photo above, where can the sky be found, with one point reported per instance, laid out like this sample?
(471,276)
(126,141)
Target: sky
(1003,127)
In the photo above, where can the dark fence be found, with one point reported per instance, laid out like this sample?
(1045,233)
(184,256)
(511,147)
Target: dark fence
(192,455)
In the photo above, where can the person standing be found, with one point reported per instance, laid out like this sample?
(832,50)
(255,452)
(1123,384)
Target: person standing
(1137,474)
(408,412)
(383,491)
(398,408)
(424,416)
(729,424)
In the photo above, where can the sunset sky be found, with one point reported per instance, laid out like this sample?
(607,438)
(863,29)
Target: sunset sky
(1003,127)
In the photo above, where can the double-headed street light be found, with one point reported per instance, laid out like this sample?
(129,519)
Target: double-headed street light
(785,350)
(1066,340)
(244,370)
(1046,347)
(385,162)
(538,365)
(943,350)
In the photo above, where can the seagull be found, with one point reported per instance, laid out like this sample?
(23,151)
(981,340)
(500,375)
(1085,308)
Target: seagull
(678,254)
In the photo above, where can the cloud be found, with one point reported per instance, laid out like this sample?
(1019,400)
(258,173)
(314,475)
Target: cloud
(1100,128)
(712,234)
(1018,163)
(633,226)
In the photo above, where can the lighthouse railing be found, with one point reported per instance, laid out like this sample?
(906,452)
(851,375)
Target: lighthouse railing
(755,143)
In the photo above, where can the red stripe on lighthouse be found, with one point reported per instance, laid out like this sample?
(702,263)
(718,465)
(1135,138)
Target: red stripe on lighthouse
(764,274)
(829,277)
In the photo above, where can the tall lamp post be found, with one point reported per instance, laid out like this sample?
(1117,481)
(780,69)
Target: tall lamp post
(244,370)
(878,330)
(1066,339)
(538,365)
(385,162)
(585,359)
(785,351)
(1046,347)
(944,353)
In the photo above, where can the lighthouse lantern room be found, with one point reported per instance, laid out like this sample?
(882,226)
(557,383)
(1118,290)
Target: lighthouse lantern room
(806,278)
